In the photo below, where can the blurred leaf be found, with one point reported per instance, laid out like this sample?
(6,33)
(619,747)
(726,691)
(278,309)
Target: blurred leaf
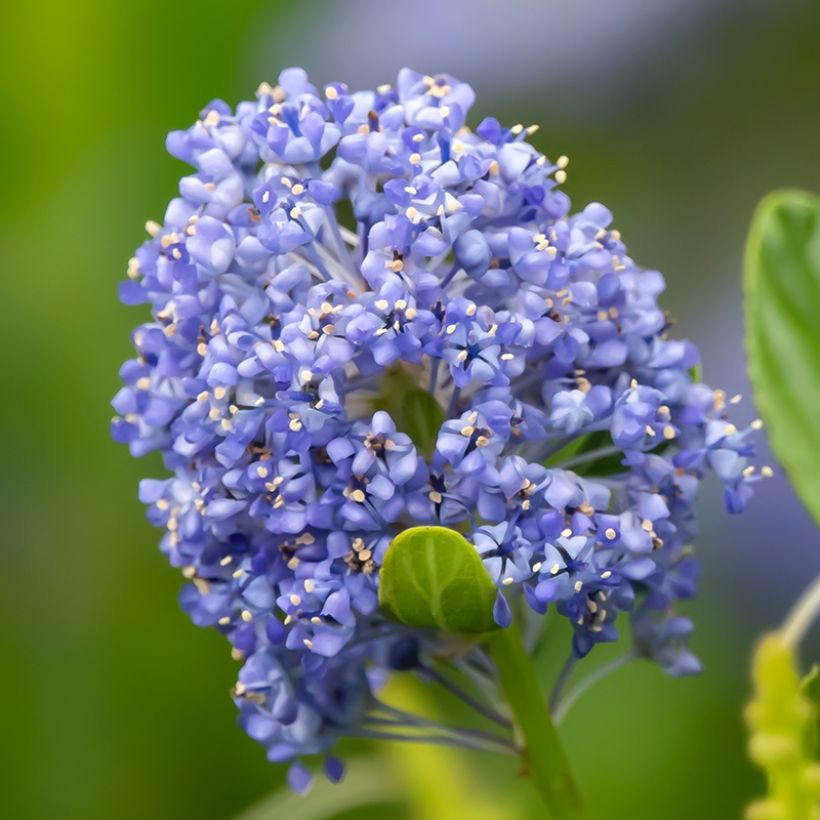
(414,410)
(433,577)
(780,717)
(810,688)
(367,781)
(782,302)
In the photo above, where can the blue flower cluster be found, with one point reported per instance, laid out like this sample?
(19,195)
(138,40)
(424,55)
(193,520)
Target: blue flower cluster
(328,241)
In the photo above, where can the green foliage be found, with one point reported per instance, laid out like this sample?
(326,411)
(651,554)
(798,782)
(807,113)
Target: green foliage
(782,719)
(782,303)
(433,577)
(414,410)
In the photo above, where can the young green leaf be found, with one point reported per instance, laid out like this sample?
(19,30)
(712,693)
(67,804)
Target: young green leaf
(433,577)
(782,304)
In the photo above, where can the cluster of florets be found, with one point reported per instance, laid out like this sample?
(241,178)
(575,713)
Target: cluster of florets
(328,242)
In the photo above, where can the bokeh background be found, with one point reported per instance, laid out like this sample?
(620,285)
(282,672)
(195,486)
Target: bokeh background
(678,114)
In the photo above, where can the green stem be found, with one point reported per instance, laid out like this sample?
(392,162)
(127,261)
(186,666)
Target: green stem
(543,754)
(804,613)
(567,702)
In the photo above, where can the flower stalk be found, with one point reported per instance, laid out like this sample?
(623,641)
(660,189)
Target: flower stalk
(803,614)
(542,753)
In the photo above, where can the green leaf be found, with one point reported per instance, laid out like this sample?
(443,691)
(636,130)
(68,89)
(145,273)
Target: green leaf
(414,410)
(782,305)
(433,577)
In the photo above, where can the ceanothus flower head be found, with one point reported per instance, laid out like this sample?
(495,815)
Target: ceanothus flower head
(331,248)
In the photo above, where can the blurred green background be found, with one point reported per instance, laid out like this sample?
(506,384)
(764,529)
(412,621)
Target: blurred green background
(679,115)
